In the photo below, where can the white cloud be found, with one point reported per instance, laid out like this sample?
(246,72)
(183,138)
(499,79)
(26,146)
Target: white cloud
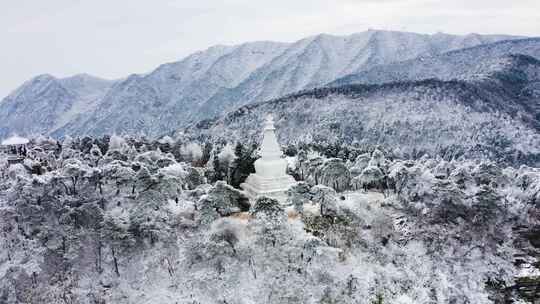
(114,38)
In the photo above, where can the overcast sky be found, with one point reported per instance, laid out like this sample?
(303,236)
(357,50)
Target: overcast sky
(114,38)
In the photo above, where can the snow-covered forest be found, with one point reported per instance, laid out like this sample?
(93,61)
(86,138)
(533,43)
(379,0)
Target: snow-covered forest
(271,152)
(132,220)
(453,119)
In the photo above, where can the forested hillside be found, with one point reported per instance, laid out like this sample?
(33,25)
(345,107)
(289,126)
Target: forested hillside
(114,220)
(452,119)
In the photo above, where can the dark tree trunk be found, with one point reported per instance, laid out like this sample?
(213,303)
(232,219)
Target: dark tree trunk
(115,261)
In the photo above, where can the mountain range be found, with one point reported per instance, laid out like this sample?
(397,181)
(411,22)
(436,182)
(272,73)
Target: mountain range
(493,114)
(223,78)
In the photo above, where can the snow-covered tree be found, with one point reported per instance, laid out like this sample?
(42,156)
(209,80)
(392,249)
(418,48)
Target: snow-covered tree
(335,174)
(192,153)
(371,177)
(326,197)
(298,195)
(117,143)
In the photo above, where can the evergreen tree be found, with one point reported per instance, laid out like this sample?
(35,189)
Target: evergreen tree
(242,166)
(207,150)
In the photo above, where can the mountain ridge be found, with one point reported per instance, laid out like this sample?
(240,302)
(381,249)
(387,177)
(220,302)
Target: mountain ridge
(365,54)
(444,66)
(46,101)
(217,80)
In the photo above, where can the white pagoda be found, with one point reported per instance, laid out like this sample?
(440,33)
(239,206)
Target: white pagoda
(270,177)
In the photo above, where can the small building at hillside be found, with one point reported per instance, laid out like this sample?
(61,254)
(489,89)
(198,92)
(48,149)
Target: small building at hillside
(15,148)
(270,177)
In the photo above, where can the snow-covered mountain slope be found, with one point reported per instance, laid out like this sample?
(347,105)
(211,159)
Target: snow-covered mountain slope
(460,64)
(213,81)
(163,99)
(496,117)
(314,61)
(45,103)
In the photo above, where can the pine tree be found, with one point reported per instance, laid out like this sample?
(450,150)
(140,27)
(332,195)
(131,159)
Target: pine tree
(207,150)
(242,166)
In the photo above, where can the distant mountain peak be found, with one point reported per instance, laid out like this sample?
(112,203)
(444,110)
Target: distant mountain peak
(84,77)
(43,77)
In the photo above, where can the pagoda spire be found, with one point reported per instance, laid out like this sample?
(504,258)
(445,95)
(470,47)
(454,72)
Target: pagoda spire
(270,149)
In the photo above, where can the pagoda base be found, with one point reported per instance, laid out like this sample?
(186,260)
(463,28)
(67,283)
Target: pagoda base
(273,187)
